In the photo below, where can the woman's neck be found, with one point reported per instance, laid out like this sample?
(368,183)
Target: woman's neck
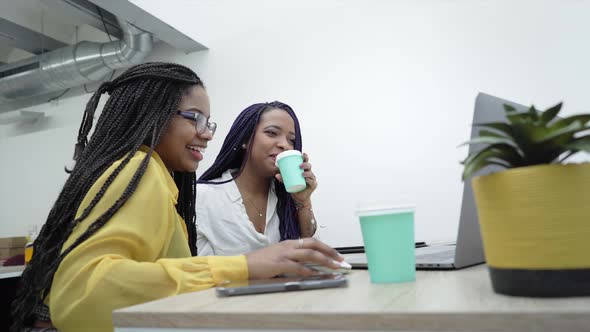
(252,182)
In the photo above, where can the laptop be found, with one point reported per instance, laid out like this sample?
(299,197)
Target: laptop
(468,248)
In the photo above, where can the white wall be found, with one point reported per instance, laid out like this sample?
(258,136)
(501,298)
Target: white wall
(384,91)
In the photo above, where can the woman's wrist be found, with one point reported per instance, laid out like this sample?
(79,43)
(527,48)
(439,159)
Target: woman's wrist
(303,205)
(306,218)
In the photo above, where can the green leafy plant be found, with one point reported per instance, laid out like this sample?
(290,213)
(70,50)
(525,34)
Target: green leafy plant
(530,137)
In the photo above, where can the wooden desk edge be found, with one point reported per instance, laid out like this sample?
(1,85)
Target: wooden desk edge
(427,321)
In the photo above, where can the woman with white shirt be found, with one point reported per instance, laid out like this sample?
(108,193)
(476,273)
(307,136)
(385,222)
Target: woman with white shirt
(242,204)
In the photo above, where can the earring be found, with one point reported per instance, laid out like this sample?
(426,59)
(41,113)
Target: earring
(244,146)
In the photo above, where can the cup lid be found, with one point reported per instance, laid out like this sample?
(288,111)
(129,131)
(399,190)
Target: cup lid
(372,208)
(287,153)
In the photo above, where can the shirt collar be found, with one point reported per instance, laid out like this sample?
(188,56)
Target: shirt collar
(231,189)
(167,176)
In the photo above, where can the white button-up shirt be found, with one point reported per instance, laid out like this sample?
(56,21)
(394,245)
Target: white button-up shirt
(223,226)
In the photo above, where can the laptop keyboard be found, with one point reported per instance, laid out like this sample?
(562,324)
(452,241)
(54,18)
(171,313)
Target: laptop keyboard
(441,255)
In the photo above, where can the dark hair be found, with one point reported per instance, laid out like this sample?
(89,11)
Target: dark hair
(142,102)
(233,156)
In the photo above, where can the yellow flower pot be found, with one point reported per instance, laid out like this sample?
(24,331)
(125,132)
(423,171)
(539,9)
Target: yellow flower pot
(535,226)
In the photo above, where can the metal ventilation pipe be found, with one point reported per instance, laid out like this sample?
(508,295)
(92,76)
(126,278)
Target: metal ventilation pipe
(74,65)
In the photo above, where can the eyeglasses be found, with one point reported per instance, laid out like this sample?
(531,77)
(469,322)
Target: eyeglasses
(201,121)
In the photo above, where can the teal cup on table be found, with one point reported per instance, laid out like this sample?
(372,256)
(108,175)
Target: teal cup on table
(289,164)
(388,235)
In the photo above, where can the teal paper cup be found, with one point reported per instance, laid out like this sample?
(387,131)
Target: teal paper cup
(388,235)
(289,163)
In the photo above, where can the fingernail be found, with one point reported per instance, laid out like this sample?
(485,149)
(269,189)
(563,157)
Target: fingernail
(342,264)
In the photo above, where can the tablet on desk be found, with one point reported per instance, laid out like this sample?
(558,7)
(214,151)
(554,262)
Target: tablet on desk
(281,284)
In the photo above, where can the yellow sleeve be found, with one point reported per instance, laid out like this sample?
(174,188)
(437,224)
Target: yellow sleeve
(127,261)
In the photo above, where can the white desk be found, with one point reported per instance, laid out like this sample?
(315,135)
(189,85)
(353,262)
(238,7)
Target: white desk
(11,271)
(438,301)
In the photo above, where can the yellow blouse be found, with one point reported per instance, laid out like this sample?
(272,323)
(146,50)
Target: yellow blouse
(140,254)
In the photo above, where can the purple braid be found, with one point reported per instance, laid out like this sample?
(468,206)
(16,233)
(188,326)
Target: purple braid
(233,156)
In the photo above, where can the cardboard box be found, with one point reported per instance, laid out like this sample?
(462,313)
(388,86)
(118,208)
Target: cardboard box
(12,242)
(9,252)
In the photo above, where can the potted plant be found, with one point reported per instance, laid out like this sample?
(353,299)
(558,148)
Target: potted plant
(535,213)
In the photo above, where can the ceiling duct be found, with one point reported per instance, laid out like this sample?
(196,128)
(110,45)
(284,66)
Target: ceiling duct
(75,65)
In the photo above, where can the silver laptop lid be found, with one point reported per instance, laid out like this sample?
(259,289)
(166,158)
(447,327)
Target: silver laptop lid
(469,248)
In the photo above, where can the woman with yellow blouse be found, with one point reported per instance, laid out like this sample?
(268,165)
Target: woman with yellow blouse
(122,230)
